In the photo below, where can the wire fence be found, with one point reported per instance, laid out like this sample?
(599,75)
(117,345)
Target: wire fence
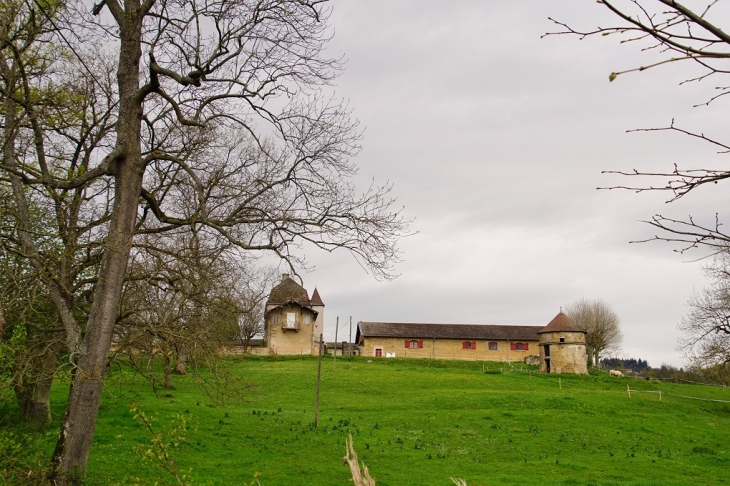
(661,393)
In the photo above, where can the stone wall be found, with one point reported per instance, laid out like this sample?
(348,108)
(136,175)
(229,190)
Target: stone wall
(285,341)
(447,349)
(568,356)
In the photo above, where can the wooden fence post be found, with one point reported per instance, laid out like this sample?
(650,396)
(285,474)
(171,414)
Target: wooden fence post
(334,363)
(319,373)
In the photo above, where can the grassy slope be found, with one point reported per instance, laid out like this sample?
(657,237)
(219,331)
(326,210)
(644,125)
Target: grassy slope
(418,424)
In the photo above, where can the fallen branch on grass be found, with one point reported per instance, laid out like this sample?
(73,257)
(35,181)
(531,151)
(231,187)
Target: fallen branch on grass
(360,477)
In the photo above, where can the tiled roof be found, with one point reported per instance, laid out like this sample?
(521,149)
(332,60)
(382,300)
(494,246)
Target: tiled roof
(447,331)
(288,291)
(561,323)
(316,299)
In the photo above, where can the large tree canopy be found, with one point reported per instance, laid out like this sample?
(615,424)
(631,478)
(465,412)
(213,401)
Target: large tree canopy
(135,119)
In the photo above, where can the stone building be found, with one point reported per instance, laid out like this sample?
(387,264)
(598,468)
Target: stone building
(447,341)
(293,321)
(563,347)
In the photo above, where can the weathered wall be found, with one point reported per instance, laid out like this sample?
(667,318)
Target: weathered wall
(301,341)
(447,349)
(318,327)
(565,357)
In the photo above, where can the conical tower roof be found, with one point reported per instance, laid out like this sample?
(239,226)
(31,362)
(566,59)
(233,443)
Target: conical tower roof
(288,291)
(316,299)
(561,323)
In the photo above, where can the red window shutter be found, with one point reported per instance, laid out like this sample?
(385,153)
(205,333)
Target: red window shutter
(463,345)
(407,343)
(474,345)
(526,346)
(512,346)
(420,344)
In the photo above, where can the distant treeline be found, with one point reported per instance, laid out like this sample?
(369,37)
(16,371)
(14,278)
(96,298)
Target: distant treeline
(637,365)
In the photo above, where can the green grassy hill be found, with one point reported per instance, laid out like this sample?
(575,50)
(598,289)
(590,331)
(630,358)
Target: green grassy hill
(421,423)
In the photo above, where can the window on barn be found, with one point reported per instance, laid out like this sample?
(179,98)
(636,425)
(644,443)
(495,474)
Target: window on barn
(469,345)
(493,346)
(413,344)
(520,347)
(378,352)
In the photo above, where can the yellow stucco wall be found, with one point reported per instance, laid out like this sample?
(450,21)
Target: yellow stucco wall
(301,341)
(565,357)
(447,349)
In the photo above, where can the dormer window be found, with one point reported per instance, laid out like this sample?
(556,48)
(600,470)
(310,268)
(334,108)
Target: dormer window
(275,318)
(307,319)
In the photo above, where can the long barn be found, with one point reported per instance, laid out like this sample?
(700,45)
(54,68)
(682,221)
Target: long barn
(489,342)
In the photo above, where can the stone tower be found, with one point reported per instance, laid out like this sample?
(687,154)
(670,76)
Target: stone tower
(562,347)
(293,320)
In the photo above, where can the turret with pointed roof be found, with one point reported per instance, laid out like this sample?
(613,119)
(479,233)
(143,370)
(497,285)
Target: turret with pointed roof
(561,323)
(563,346)
(316,299)
(293,320)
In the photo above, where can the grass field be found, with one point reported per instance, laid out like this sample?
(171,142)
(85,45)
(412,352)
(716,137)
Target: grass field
(416,422)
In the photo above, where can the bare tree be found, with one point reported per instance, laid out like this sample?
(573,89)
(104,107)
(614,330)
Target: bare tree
(706,328)
(177,303)
(675,33)
(601,323)
(223,127)
(249,298)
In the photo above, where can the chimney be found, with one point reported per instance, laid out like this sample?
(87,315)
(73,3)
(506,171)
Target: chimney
(284,276)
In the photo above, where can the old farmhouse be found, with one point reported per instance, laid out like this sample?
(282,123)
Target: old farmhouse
(293,321)
(448,341)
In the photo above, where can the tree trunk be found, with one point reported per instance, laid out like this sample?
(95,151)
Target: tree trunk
(24,396)
(182,359)
(168,378)
(33,391)
(150,360)
(2,324)
(41,407)
(77,430)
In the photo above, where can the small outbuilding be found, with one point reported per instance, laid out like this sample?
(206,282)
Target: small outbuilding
(562,347)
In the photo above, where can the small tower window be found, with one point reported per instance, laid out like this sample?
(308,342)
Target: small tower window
(562,340)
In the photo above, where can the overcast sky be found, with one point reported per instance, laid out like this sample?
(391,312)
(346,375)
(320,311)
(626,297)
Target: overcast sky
(495,140)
